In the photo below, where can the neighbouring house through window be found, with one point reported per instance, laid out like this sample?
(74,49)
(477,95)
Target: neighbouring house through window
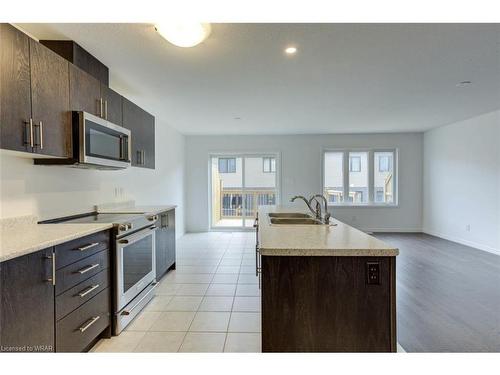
(227,165)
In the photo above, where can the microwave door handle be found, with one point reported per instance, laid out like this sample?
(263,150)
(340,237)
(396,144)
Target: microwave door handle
(121,148)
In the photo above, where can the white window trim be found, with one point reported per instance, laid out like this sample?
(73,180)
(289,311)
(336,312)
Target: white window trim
(371,176)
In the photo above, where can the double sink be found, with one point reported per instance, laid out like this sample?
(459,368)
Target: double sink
(293,218)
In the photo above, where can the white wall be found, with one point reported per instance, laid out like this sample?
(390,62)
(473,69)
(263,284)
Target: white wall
(301,174)
(53,191)
(462,182)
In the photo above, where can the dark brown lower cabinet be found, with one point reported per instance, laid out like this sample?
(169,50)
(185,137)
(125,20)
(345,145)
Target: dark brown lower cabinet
(27,303)
(325,304)
(71,315)
(165,243)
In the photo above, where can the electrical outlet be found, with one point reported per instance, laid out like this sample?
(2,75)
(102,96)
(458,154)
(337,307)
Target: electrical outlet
(373,273)
(467,227)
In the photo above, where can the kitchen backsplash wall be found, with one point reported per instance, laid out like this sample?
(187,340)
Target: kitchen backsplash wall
(53,191)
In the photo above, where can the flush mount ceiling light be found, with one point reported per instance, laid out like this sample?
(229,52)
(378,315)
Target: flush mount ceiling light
(291,50)
(184,34)
(463,83)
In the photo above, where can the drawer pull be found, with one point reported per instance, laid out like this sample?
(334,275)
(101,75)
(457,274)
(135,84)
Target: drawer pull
(89,323)
(88,290)
(83,248)
(87,269)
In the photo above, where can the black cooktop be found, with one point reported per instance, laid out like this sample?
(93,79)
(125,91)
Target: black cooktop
(98,218)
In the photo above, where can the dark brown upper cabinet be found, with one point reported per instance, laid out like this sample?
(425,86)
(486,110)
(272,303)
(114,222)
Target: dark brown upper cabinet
(41,83)
(50,108)
(79,57)
(15,94)
(84,92)
(142,126)
(112,105)
(27,302)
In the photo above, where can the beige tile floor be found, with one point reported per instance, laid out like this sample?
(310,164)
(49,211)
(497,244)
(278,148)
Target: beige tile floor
(210,303)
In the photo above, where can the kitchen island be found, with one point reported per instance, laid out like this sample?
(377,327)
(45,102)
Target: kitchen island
(325,288)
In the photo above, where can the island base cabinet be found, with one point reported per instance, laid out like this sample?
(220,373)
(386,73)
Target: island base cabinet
(326,304)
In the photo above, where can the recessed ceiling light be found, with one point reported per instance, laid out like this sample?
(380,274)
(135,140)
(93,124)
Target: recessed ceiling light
(184,34)
(290,50)
(463,83)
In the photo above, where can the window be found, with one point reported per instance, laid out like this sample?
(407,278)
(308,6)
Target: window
(360,177)
(384,163)
(383,177)
(354,164)
(334,177)
(269,165)
(227,165)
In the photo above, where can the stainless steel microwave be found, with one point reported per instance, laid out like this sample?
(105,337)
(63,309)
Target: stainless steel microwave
(97,144)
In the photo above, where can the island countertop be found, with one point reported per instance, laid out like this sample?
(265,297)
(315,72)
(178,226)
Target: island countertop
(336,239)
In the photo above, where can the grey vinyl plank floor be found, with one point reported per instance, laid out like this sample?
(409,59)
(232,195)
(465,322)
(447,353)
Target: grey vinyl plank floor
(448,295)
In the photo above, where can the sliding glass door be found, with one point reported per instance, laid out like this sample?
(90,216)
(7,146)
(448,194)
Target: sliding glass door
(239,185)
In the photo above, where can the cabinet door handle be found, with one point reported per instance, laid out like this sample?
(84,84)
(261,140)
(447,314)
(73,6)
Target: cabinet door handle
(53,278)
(139,155)
(89,323)
(143,157)
(106,109)
(100,107)
(29,133)
(41,134)
(90,289)
(90,246)
(87,269)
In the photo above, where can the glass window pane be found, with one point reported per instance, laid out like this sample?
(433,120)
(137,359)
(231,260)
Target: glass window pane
(260,186)
(358,177)
(354,164)
(383,177)
(227,192)
(334,177)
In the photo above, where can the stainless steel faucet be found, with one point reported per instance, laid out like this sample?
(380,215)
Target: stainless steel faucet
(326,217)
(317,210)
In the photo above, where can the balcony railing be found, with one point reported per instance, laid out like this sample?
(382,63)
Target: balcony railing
(233,203)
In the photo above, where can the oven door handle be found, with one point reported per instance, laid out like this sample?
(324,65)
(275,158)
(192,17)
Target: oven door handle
(138,236)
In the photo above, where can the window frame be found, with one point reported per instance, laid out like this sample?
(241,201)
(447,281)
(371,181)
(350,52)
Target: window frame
(226,160)
(371,176)
(270,160)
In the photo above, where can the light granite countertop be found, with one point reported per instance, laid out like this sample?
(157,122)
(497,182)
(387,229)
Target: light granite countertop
(22,235)
(336,239)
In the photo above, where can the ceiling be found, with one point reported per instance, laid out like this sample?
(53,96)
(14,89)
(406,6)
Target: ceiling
(345,78)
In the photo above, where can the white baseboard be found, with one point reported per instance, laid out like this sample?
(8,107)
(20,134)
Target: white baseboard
(462,241)
(390,230)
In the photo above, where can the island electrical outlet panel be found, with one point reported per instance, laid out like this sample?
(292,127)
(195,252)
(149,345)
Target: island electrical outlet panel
(373,273)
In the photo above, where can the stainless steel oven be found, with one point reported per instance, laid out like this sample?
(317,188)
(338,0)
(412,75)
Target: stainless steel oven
(135,275)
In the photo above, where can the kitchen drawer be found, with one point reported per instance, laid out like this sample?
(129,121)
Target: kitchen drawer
(75,273)
(81,293)
(80,248)
(77,330)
